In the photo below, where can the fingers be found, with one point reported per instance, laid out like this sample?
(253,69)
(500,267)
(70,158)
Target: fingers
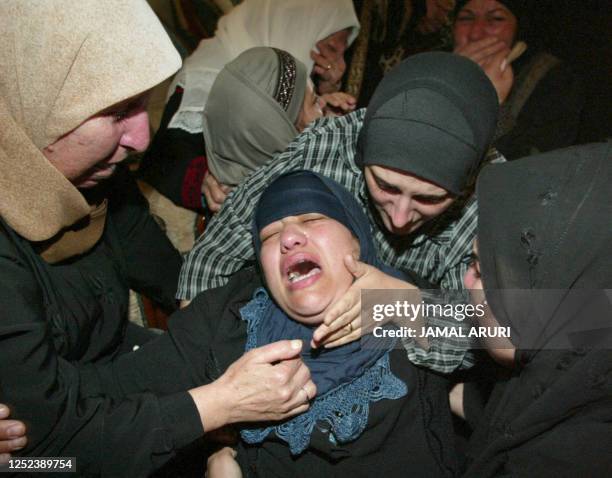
(277,351)
(355,335)
(355,267)
(347,324)
(339,102)
(214,192)
(12,433)
(480,50)
(329,66)
(304,391)
(9,446)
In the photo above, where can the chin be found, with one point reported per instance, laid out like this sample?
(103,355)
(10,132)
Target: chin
(307,312)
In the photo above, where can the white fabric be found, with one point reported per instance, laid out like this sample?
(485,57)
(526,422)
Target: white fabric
(293,25)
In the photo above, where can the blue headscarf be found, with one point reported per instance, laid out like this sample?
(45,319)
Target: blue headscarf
(348,378)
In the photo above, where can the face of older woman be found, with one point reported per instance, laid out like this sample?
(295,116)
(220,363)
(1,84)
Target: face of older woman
(303,262)
(480,19)
(337,42)
(90,153)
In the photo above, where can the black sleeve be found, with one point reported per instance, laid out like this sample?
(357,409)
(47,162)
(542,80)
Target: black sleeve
(175,162)
(151,263)
(129,437)
(203,339)
(550,118)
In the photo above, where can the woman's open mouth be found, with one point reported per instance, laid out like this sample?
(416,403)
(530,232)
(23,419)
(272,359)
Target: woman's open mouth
(302,271)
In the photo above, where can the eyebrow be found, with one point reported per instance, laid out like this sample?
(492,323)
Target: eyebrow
(382,182)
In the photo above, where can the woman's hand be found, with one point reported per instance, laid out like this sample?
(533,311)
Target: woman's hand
(214,192)
(269,383)
(490,54)
(12,435)
(329,68)
(223,464)
(342,323)
(338,104)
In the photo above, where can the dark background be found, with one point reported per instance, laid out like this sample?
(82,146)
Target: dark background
(580,31)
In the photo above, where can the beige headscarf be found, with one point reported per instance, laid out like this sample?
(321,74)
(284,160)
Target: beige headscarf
(63,61)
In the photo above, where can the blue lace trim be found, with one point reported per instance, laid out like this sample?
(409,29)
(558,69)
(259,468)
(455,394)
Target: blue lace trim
(341,412)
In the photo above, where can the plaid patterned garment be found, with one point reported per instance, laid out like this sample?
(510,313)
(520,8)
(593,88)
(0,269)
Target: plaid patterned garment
(328,147)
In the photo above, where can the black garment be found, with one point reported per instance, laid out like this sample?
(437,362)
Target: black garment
(387,36)
(409,436)
(175,162)
(57,320)
(550,117)
(545,224)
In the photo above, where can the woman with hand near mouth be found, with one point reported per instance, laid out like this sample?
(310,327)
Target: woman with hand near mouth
(543,107)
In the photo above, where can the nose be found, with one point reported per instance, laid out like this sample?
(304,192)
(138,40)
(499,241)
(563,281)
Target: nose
(402,213)
(137,135)
(478,30)
(292,236)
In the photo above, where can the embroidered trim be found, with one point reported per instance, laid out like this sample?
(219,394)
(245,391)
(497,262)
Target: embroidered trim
(287,75)
(342,413)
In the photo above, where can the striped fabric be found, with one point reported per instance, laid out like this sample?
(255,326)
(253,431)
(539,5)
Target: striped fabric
(328,147)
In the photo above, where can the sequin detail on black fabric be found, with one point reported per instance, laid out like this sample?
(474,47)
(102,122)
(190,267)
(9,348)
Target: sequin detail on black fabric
(285,86)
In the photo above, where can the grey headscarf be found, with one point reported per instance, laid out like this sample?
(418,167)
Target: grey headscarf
(434,116)
(251,112)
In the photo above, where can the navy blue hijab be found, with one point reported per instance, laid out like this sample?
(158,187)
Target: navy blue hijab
(303,192)
(349,377)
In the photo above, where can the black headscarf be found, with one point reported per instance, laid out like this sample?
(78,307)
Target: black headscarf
(433,116)
(303,192)
(518,9)
(545,223)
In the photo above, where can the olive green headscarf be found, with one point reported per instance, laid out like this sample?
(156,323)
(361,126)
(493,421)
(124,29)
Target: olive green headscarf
(251,112)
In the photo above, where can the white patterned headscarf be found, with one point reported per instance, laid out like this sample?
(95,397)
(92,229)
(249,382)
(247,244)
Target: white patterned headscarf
(293,25)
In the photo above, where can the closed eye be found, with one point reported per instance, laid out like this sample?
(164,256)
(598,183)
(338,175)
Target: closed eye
(386,187)
(430,199)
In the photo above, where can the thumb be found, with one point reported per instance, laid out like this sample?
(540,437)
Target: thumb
(277,351)
(354,266)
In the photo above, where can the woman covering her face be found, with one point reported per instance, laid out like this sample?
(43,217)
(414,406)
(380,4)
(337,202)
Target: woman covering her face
(545,249)
(176,164)
(542,110)
(256,106)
